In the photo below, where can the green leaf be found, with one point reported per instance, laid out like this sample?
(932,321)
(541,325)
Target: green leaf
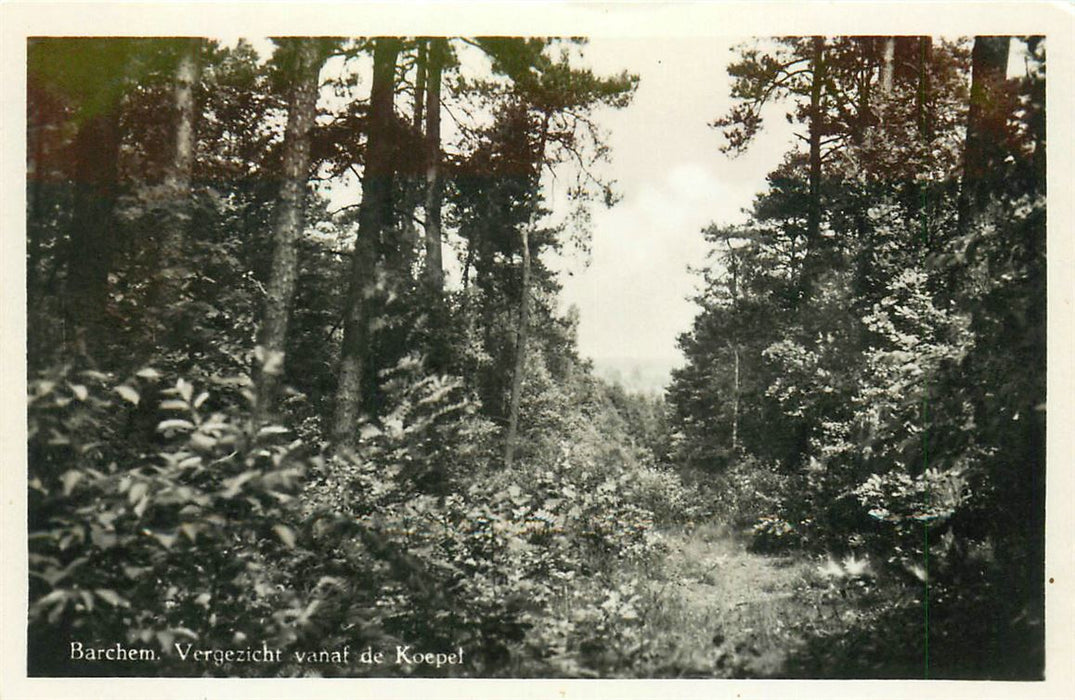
(286,535)
(128,394)
(141,506)
(52,597)
(201,441)
(112,598)
(190,530)
(70,479)
(81,393)
(165,539)
(233,485)
(148,373)
(103,538)
(137,492)
(174,424)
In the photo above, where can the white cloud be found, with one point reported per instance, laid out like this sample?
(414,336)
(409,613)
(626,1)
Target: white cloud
(633,298)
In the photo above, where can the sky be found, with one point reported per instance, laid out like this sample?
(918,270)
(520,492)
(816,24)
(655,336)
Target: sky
(633,290)
(634,296)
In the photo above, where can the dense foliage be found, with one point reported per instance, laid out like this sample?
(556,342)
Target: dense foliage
(185,489)
(878,388)
(266,414)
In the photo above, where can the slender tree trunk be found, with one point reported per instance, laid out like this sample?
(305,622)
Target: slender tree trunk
(91,238)
(289,221)
(434,266)
(520,352)
(519,371)
(735,403)
(813,213)
(922,94)
(177,189)
(888,66)
(923,122)
(986,119)
(415,184)
(420,83)
(374,215)
(36,177)
(735,348)
(813,223)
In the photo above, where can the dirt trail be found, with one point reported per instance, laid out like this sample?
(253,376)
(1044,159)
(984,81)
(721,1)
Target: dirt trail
(725,611)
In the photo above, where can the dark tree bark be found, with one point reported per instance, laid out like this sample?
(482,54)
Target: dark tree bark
(523,330)
(37,227)
(289,220)
(922,94)
(734,289)
(521,335)
(91,237)
(79,83)
(421,67)
(434,265)
(374,214)
(177,182)
(813,212)
(986,122)
(414,187)
(813,221)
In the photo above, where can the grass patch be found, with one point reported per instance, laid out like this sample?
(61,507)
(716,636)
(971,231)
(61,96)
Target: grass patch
(710,608)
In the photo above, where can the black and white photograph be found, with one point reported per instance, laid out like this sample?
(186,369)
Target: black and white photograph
(521,354)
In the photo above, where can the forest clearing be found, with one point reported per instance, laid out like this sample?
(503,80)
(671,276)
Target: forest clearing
(309,395)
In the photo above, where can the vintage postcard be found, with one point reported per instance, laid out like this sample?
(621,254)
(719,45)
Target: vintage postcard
(542,349)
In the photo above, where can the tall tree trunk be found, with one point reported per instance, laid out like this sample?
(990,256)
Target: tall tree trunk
(735,403)
(374,214)
(986,120)
(734,289)
(289,220)
(888,66)
(421,66)
(177,190)
(521,334)
(434,265)
(813,213)
(813,223)
(36,225)
(414,190)
(922,97)
(923,122)
(91,236)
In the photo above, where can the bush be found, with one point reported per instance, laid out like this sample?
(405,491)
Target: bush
(185,522)
(746,491)
(153,540)
(773,534)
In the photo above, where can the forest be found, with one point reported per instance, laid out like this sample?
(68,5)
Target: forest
(300,384)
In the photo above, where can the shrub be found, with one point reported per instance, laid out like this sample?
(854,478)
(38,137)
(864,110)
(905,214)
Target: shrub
(187,522)
(747,490)
(773,534)
(153,540)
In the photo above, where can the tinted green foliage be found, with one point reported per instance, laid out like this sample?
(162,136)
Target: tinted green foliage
(169,512)
(863,393)
(863,404)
